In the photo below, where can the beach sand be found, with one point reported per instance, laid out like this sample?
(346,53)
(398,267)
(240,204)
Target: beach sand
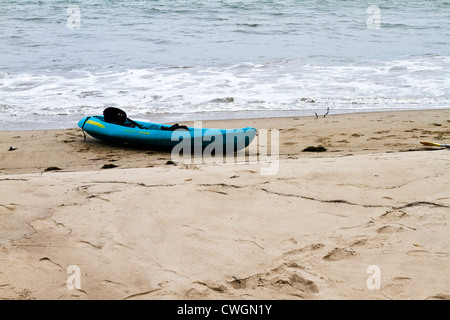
(366,219)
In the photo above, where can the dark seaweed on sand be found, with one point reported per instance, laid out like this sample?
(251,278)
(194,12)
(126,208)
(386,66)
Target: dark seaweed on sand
(109,166)
(52,169)
(314,149)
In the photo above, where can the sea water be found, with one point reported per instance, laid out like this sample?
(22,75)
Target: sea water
(178,60)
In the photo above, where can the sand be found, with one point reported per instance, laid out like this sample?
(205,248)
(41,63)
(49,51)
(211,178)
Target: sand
(366,219)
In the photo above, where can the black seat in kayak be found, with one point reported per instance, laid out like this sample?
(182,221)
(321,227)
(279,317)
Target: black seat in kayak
(114,115)
(119,117)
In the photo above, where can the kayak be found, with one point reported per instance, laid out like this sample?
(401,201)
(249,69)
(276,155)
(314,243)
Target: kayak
(164,136)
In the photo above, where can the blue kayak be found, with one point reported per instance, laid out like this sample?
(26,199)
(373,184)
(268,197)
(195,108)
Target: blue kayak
(165,136)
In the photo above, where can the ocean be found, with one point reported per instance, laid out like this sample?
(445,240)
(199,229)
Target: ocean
(179,60)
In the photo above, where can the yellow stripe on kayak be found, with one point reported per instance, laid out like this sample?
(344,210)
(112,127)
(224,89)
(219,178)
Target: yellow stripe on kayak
(95,123)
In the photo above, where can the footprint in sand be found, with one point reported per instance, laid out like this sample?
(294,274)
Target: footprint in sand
(396,286)
(389,229)
(296,282)
(338,254)
(286,278)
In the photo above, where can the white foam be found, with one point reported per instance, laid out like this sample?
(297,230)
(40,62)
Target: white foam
(414,82)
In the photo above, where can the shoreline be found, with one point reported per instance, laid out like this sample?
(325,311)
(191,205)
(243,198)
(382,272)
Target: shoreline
(230,116)
(316,228)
